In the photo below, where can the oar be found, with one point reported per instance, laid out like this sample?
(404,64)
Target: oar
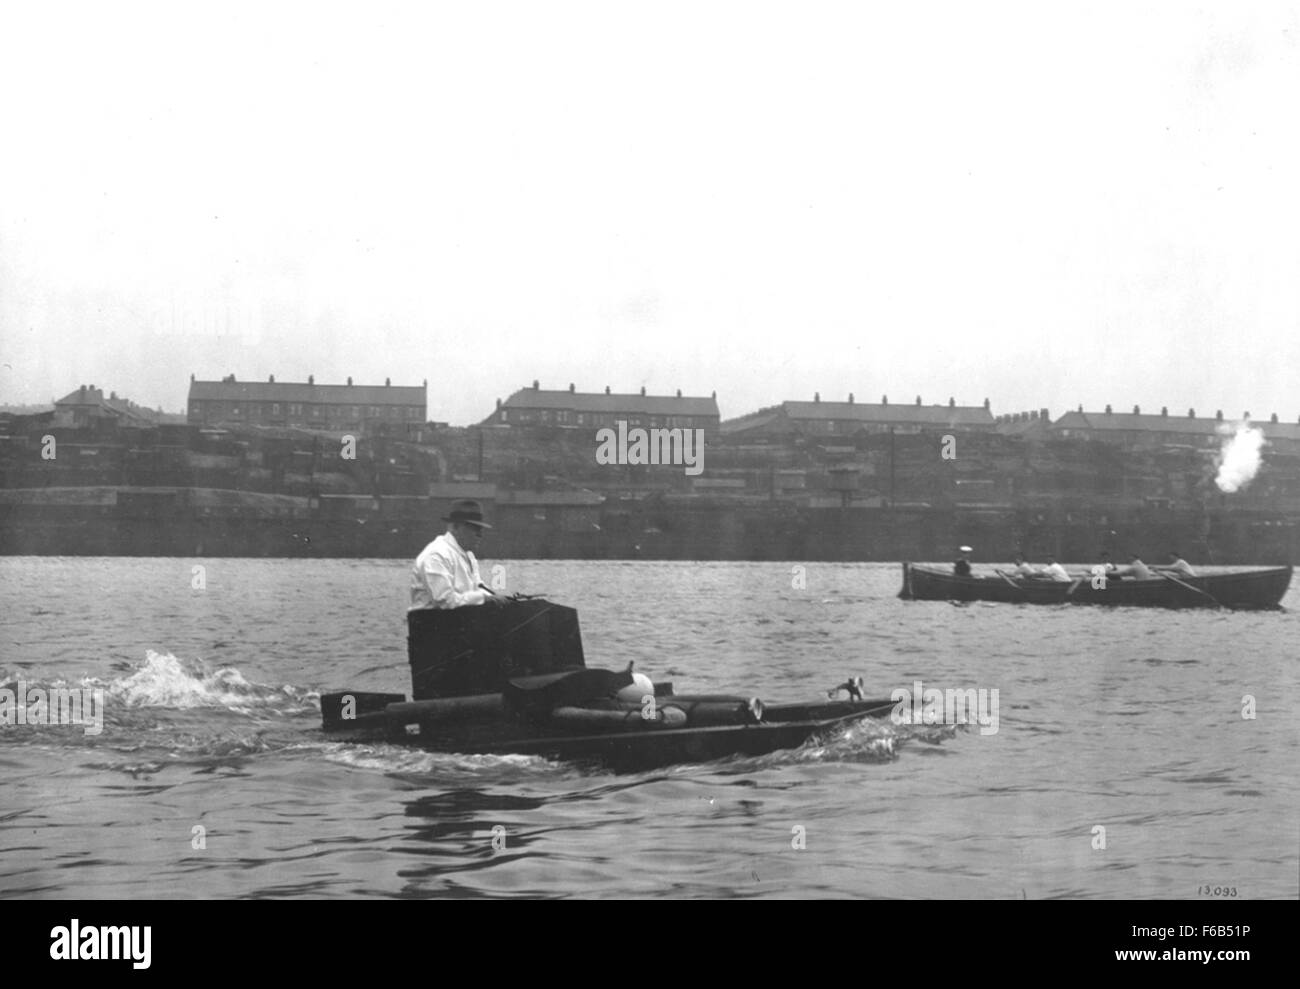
(1007,579)
(1194,590)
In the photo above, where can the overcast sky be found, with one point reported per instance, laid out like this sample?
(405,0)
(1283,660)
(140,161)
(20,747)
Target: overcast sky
(1044,204)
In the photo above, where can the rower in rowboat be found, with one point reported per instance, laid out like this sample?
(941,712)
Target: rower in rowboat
(1020,571)
(1022,568)
(1177,565)
(1054,571)
(1135,569)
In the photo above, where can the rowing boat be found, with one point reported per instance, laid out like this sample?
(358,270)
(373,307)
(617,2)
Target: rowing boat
(1246,589)
(513,679)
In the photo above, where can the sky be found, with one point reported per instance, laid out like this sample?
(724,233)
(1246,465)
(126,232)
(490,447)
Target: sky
(1046,205)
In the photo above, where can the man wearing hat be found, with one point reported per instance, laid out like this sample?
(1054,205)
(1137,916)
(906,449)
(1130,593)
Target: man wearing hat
(446,574)
(961,567)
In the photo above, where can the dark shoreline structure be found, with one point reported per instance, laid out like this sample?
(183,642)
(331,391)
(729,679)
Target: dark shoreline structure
(203,523)
(1251,590)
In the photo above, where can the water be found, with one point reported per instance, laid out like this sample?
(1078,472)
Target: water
(1127,720)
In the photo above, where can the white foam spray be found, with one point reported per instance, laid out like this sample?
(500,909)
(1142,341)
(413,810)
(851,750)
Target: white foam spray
(1239,455)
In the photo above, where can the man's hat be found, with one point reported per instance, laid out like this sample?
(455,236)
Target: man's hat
(466,510)
(964,549)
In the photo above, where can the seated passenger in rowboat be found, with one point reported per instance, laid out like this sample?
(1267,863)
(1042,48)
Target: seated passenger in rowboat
(961,567)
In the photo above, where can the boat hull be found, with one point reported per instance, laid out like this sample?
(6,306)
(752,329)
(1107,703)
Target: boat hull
(622,750)
(512,678)
(1255,589)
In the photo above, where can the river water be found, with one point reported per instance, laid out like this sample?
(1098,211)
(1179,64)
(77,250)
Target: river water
(211,778)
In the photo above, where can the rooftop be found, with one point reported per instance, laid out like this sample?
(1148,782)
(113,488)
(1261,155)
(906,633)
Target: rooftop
(571,399)
(1161,423)
(88,396)
(885,412)
(306,392)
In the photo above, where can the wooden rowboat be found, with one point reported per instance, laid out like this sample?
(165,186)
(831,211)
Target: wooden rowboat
(1247,589)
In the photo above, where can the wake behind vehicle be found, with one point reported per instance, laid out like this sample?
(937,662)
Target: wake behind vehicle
(513,679)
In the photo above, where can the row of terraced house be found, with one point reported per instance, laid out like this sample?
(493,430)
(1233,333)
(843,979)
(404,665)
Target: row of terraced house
(402,410)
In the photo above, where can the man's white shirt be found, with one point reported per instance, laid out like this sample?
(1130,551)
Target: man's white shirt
(445,576)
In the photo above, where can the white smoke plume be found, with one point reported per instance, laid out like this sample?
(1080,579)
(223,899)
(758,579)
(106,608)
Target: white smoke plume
(1239,456)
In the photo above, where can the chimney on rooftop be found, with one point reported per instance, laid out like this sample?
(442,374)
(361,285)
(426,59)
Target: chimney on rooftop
(1246,416)
(1274,419)
(498,403)
(536,385)
(1191,413)
(607,389)
(918,399)
(1164,411)
(679,393)
(817,396)
(349,380)
(388,382)
(571,388)
(850,398)
(1218,415)
(884,399)
(643,391)
(191,377)
(1080,406)
(1042,414)
(311,379)
(986,404)
(715,394)
(271,379)
(952,402)
(1137,410)
(1107,410)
